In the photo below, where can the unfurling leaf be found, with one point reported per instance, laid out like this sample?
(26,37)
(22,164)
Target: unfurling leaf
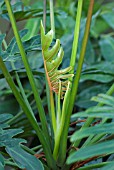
(52,59)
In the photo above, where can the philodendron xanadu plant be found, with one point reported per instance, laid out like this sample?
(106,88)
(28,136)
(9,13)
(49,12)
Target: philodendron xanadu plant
(62,85)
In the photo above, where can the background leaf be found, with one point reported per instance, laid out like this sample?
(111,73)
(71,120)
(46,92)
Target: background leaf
(108,17)
(1,162)
(24,159)
(107,48)
(91,151)
(110,166)
(98,129)
(13,147)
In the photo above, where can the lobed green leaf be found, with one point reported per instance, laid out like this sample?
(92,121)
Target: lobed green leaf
(104,148)
(24,159)
(98,129)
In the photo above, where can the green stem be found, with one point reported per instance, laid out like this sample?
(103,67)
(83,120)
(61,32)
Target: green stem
(27,149)
(76,35)
(50,112)
(21,88)
(81,58)
(4,42)
(61,124)
(47,86)
(53,112)
(75,84)
(36,148)
(54,122)
(52,17)
(58,129)
(44,15)
(29,72)
(58,109)
(15,117)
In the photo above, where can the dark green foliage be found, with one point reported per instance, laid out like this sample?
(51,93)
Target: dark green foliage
(24,159)
(13,147)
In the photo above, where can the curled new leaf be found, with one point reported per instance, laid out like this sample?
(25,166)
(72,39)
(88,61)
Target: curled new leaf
(52,59)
